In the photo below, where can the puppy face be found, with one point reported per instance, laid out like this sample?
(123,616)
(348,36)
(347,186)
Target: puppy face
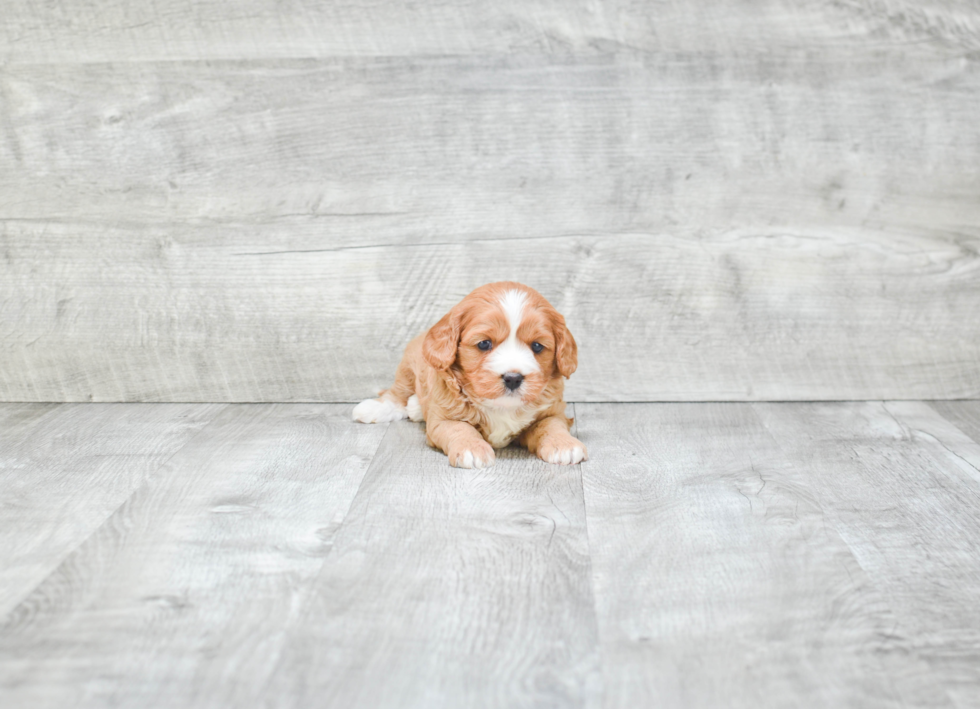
(504,343)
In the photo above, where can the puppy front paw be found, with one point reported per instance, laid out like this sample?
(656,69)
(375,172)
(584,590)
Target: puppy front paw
(562,450)
(474,455)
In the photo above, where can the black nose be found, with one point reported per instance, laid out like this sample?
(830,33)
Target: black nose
(512,380)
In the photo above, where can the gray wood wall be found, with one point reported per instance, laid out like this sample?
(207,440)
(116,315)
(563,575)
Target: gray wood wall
(265,200)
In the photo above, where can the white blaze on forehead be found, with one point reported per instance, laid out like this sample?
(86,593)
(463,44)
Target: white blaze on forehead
(512,355)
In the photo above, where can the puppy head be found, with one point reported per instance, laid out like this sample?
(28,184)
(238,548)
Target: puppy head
(503,343)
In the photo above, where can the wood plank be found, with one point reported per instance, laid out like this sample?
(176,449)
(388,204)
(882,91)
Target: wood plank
(17,419)
(741,555)
(377,150)
(721,316)
(236,229)
(898,495)
(965,415)
(205,29)
(926,422)
(64,469)
(450,588)
(182,597)
(719,579)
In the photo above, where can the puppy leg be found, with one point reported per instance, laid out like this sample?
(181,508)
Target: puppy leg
(550,440)
(391,404)
(461,442)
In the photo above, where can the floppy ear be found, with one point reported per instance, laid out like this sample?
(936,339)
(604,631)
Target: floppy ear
(566,351)
(442,341)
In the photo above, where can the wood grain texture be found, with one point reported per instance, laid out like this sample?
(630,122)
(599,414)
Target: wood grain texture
(374,150)
(805,555)
(962,444)
(755,201)
(714,316)
(16,420)
(182,598)
(78,30)
(65,469)
(719,579)
(450,588)
(900,497)
(964,415)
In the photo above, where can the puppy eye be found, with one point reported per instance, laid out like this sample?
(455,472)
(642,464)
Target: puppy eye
(485,345)
(537,347)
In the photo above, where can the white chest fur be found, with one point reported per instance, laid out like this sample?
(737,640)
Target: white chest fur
(505,424)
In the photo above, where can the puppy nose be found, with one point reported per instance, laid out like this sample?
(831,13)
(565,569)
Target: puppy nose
(512,380)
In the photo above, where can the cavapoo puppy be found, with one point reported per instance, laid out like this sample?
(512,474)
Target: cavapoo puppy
(491,371)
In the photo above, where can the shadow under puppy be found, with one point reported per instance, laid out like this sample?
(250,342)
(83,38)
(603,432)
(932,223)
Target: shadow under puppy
(490,371)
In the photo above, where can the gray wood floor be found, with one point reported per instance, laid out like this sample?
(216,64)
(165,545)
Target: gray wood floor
(747,555)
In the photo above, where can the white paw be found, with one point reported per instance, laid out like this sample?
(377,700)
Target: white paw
(482,457)
(568,456)
(378,411)
(414,408)
(567,451)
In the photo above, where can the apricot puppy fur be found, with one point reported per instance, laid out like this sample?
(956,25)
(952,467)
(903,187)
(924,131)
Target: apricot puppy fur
(491,371)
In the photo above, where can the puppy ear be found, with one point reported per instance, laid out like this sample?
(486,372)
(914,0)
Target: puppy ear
(442,341)
(566,351)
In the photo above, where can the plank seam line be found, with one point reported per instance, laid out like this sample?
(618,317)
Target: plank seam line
(930,437)
(305,607)
(485,240)
(5,619)
(592,586)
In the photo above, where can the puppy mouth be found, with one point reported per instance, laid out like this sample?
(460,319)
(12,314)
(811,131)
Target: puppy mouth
(511,398)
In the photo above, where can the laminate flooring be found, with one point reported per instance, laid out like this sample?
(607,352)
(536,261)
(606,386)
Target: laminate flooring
(279,555)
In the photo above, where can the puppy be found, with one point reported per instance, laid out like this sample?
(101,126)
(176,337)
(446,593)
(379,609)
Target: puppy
(490,372)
